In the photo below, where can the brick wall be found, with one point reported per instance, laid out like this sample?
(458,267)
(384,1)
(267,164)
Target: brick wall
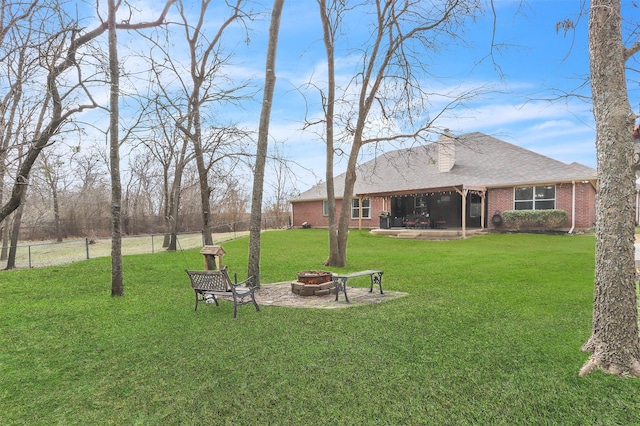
(501,199)
(311,212)
(585,205)
(498,200)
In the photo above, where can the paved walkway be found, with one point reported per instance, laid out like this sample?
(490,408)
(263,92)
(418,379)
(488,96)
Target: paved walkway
(279,294)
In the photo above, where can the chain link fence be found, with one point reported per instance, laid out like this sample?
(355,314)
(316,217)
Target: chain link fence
(41,254)
(38,255)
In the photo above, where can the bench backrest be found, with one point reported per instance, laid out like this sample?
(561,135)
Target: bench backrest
(210,280)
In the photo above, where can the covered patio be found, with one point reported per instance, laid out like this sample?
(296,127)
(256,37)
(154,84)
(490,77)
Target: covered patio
(433,212)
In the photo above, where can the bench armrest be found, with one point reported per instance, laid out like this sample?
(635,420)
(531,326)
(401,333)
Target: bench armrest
(246,283)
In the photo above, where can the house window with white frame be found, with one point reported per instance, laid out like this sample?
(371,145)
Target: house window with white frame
(325,208)
(535,197)
(366,208)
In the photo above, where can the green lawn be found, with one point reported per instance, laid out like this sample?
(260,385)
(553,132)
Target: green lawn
(489,334)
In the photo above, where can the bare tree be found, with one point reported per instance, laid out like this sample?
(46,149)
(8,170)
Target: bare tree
(206,58)
(171,149)
(21,38)
(233,203)
(70,93)
(142,194)
(390,103)
(172,193)
(25,135)
(50,165)
(88,201)
(57,54)
(222,149)
(263,142)
(614,344)
(30,120)
(277,205)
(329,30)
(117,283)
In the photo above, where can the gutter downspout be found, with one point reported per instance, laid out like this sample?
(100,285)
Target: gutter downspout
(291,216)
(573,206)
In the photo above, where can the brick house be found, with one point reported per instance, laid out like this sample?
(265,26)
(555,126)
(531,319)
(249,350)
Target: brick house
(464,181)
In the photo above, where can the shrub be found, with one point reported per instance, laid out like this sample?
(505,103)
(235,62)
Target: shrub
(535,219)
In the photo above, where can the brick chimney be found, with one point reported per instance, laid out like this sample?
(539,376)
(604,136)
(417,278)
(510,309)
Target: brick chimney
(446,151)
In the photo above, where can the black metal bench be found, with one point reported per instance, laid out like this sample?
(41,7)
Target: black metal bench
(340,281)
(209,284)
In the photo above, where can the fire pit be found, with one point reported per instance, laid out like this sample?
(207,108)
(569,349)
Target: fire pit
(313,283)
(314,277)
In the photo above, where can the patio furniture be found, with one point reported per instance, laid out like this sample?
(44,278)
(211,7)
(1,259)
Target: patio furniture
(209,284)
(411,222)
(340,281)
(425,223)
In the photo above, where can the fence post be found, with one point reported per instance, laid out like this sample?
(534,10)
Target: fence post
(86,244)
(29,257)
(152,251)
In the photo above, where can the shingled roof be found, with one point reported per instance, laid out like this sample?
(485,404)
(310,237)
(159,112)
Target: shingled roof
(481,161)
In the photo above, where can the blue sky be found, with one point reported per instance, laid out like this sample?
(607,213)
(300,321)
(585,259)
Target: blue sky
(524,105)
(536,64)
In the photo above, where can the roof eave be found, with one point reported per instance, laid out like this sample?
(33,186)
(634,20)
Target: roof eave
(588,179)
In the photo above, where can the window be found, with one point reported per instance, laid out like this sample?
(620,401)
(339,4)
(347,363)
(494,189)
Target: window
(355,208)
(325,208)
(535,198)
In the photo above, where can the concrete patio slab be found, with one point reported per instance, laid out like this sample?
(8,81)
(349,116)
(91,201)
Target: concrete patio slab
(279,294)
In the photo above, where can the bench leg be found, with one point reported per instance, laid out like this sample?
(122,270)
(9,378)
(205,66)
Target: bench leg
(200,296)
(239,299)
(236,302)
(253,299)
(376,278)
(215,299)
(341,285)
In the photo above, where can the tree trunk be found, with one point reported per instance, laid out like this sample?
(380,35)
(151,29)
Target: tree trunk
(174,205)
(166,208)
(15,233)
(335,256)
(117,284)
(56,213)
(263,141)
(347,198)
(614,342)
(205,189)
(51,177)
(5,239)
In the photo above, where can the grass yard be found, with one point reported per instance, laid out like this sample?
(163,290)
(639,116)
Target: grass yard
(490,334)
